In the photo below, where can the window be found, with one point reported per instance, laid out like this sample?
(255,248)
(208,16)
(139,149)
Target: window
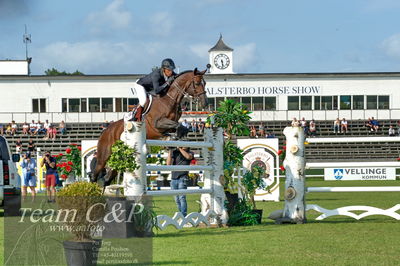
(317,102)
(107,105)
(94,104)
(39,105)
(64,105)
(236,99)
(372,102)
(211,104)
(118,104)
(83,105)
(383,102)
(293,102)
(270,103)
(335,102)
(306,102)
(358,102)
(258,103)
(345,102)
(73,105)
(246,101)
(132,102)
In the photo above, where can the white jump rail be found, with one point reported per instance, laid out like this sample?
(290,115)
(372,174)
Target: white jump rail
(296,187)
(212,195)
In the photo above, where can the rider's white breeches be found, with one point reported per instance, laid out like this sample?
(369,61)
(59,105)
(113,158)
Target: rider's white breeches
(141,94)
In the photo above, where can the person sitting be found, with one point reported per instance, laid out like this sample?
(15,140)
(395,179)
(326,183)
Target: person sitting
(253,131)
(344,126)
(375,124)
(392,131)
(154,83)
(25,128)
(336,126)
(14,128)
(313,128)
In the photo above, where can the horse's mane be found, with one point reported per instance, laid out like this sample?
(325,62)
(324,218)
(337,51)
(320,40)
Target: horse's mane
(184,72)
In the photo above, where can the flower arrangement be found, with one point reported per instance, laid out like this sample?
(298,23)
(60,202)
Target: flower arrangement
(251,181)
(70,162)
(282,155)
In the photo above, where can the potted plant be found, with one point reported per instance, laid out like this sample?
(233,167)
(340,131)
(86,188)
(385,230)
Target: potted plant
(79,205)
(233,117)
(144,218)
(251,181)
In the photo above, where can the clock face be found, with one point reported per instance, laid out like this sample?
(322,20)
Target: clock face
(221,61)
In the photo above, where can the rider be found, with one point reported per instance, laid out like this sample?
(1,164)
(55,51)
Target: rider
(154,83)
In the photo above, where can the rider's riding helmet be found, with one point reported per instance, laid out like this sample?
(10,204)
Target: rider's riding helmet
(168,63)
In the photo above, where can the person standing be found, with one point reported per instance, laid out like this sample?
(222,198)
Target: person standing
(179,179)
(28,166)
(31,147)
(51,172)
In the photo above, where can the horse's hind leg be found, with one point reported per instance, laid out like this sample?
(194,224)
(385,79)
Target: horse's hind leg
(165,123)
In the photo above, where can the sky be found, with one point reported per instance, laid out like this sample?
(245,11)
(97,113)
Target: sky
(268,36)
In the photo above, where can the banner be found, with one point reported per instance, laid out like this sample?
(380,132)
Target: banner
(263,153)
(371,173)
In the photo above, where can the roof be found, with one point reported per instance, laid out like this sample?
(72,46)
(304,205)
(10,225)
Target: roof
(220,46)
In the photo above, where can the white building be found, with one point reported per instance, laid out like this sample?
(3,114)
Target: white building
(322,96)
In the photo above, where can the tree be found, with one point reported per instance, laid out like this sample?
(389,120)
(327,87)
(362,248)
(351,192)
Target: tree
(55,72)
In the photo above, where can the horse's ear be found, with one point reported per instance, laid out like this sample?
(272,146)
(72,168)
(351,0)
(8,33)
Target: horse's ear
(203,72)
(195,71)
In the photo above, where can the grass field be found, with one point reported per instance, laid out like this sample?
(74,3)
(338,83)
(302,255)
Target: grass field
(335,241)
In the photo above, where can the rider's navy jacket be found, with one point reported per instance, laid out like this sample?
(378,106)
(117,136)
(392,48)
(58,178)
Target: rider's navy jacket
(154,82)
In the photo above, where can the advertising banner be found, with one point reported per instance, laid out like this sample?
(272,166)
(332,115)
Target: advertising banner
(371,173)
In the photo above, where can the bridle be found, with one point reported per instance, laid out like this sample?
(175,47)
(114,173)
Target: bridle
(191,83)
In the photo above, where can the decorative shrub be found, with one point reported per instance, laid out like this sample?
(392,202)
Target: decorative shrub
(76,199)
(70,162)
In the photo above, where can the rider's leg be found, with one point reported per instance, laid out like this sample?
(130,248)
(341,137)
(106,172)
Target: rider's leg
(142,97)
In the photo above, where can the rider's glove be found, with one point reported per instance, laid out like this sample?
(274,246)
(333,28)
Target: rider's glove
(170,80)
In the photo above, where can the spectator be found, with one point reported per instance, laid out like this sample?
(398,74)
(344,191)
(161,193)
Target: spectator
(51,133)
(39,128)
(46,126)
(312,128)
(31,147)
(295,123)
(303,124)
(344,125)
(336,126)
(14,128)
(32,128)
(51,172)
(25,129)
(193,125)
(270,135)
(1,129)
(62,127)
(398,127)
(253,131)
(28,166)
(368,124)
(179,179)
(18,146)
(185,124)
(392,131)
(105,125)
(9,129)
(375,124)
(261,132)
(200,126)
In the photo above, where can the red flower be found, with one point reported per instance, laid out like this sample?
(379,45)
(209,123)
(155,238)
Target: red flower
(60,154)
(282,168)
(64,176)
(68,168)
(79,148)
(398,159)
(284,147)
(280,152)
(68,150)
(69,163)
(73,144)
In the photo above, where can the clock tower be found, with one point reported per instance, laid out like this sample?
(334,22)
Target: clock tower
(221,58)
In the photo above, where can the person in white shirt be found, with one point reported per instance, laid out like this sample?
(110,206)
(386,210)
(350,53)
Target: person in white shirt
(25,128)
(392,131)
(344,126)
(32,128)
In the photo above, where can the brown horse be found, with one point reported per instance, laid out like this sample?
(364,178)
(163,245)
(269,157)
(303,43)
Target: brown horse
(162,118)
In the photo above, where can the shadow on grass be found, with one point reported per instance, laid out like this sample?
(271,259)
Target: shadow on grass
(215,231)
(154,263)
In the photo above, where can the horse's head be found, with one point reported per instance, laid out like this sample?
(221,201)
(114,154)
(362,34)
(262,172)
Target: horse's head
(197,88)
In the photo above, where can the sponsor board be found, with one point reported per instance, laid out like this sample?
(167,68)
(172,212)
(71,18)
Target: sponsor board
(370,173)
(263,153)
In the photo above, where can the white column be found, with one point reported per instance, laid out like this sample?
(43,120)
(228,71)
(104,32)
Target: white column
(214,157)
(134,135)
(294,163)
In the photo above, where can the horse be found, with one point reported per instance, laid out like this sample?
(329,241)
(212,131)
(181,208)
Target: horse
(161,119)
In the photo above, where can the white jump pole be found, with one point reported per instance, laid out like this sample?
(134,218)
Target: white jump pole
(134,135)
(294,163)
(353,189)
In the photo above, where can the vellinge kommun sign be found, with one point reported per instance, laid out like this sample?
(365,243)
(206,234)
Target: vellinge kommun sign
(375,173)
